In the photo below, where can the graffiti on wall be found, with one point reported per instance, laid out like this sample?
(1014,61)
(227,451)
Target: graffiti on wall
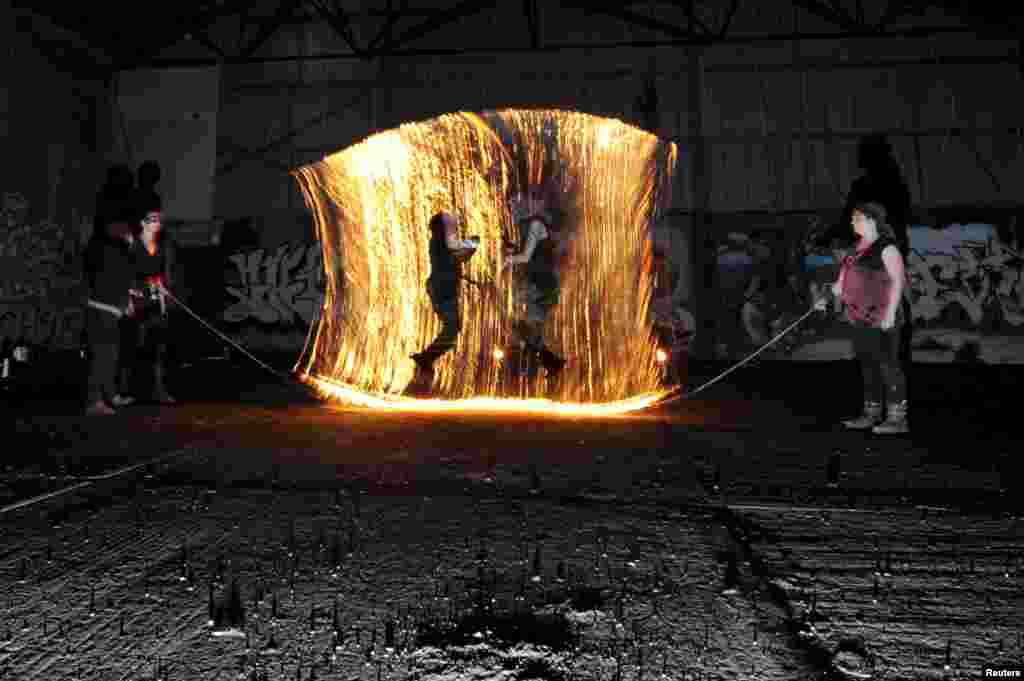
(40,279)
(965,290)
(281,287)
(42,324)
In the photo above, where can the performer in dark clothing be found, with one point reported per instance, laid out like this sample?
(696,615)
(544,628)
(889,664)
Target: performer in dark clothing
(114,200)
(536,289)
(109,270)
(881,183)
(148,176)
(871,287)
(147,330)
(447,253)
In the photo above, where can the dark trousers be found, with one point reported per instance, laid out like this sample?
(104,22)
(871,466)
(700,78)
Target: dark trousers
(127,356)
(879,355)
(104,340)
(451,324)
(143,352)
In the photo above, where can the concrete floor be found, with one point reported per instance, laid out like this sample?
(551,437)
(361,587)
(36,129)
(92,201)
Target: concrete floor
(807,551)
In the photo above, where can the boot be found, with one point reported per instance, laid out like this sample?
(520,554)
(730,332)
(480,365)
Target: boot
(160,393)
(123,398)
(872,416)
(551,362)
(424,362)
(423,380)
(99,408)
(895,422)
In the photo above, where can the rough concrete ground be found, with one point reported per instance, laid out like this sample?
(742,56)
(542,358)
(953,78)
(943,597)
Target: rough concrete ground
(728,538)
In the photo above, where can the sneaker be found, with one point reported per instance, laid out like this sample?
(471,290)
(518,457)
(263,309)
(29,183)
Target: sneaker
(423,362)
(552,363)
(121,400)
(421,385)
(895,422)
(99,409)
(872,417)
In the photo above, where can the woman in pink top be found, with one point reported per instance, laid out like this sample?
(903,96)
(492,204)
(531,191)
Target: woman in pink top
(871,286)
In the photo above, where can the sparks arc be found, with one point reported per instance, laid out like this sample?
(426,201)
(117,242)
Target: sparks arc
(371,203)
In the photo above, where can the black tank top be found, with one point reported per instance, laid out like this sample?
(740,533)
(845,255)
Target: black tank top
(444,269)
(542,270)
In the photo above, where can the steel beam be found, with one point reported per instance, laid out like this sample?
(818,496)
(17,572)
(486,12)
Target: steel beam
(255,154)
(61,54)
(730,14)
(385,32)
(270,25)
(440,19)
(616,11)
(136,56)
(532,21)
(691,13)
(341,26)
(548,47)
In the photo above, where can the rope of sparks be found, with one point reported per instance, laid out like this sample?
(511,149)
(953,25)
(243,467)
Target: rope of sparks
(372,201)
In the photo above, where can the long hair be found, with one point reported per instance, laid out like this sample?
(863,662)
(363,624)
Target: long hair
(877,212)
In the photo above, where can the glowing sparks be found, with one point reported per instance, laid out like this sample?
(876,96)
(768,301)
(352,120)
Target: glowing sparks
(371,204)
(354,396)
(661,356)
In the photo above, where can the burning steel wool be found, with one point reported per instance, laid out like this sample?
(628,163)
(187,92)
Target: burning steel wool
(604,182)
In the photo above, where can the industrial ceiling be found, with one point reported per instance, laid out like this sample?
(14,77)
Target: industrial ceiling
(83,40)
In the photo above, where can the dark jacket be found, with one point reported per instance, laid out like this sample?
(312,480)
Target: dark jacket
(109,270)
(445,269)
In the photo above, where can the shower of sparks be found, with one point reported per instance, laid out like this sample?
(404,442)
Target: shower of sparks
(349,395)
(371,205)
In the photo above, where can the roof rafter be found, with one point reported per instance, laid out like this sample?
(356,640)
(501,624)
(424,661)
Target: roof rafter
(615,10)
(439,20)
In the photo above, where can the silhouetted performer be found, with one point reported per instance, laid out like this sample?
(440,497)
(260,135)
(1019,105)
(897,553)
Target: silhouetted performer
(871,285)
(447,253)
(536,287)
(148,177)
(115,198)
(109,272)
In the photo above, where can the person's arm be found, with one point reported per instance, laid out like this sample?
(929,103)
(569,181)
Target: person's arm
(896,270)
(837,287)
(537,233)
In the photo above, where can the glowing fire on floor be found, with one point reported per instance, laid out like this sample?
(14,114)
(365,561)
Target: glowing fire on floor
(371,204)
(359,398)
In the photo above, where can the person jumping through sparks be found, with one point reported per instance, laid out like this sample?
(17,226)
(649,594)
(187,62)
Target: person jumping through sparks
(447,253)
(536,290)
(871,287)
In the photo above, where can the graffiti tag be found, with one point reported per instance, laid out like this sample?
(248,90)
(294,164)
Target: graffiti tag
(42,324)
(978,277)
(280,287)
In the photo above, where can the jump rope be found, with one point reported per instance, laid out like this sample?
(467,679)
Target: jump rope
(679,393)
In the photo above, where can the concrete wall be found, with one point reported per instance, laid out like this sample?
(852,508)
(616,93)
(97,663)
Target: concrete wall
(170,116)
(52,138)
(765,128)
(50,126)
(781,120)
